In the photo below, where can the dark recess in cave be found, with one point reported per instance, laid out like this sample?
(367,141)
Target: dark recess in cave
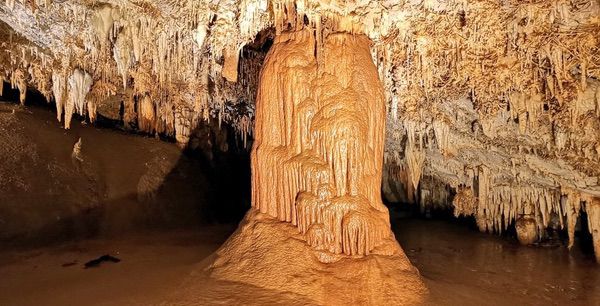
(207,185)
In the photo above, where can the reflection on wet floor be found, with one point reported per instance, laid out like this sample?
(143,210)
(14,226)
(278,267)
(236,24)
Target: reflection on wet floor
(460,266)
(464,267)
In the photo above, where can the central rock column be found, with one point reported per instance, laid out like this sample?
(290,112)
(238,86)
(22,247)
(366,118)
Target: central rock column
(317,227)
(318,152)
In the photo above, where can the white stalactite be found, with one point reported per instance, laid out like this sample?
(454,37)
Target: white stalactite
(79,85)
(59,90)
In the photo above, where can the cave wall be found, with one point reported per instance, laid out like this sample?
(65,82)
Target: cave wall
(85,182)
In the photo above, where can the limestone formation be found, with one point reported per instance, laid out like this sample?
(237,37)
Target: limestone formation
(318,149)
(317,165)
(593,210)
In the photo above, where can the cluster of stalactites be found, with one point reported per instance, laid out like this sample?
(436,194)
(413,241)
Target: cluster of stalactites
(168,67)
(418,143)
(70,95)
(407,146)
(164,65)
(24,65)
(497,204)
(533,118)
(495,207)
(18,81)
(426,51)
(34,5)
(318,148)
(541,83)
(544,50)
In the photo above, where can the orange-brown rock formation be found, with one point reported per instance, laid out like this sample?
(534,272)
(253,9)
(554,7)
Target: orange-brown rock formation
(317,219)
(318,152)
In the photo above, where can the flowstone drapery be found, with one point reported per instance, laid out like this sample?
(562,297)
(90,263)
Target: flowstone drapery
(318,153)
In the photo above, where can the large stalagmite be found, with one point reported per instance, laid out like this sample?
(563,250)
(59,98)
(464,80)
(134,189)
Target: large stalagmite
(318,150)
(318,227)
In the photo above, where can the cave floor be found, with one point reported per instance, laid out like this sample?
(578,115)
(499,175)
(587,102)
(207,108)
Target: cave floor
(152,265)
(459,266)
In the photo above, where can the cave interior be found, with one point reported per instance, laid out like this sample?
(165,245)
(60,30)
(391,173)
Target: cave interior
(300,152)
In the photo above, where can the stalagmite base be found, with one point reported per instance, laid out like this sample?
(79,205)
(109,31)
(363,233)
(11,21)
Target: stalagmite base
(526,230)
(273,255)
(318,228)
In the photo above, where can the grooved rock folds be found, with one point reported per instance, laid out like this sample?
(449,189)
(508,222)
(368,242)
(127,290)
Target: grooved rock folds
(318,154)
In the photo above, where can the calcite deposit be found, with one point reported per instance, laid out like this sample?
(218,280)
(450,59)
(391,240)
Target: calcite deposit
(491,107)
(318,150)
(317,166)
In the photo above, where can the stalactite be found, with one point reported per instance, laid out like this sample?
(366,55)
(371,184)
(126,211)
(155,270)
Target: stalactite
(78,87)
(397,184)
(183,128)
(10,4)
(122,52)
(484,222)
(129,113)
(442,131)
(2,81)
(200,34)
(593,211)
(146,114)
(102,23)
(572,207)
(415,159)
(230,67)
(19,81)
(59,91)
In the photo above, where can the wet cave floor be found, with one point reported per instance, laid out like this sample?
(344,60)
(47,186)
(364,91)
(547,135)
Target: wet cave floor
(459,265)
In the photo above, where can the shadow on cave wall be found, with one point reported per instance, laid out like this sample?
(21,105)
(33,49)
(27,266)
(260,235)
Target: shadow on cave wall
(210,182)
(164,187)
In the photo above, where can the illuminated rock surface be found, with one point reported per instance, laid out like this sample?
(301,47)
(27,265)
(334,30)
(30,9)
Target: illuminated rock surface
(318,149)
